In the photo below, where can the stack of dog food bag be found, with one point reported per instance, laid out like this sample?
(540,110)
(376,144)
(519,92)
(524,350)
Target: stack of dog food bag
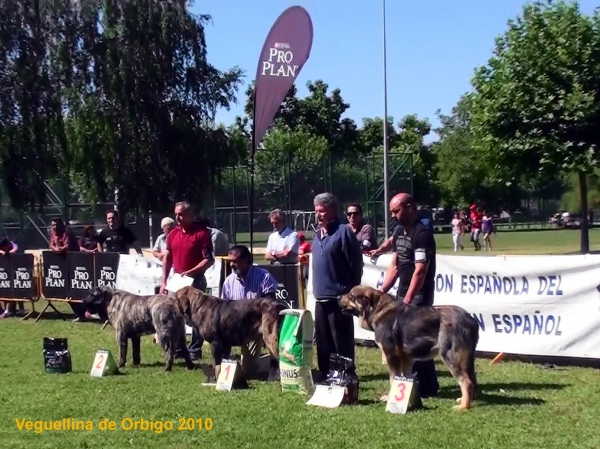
(57,358)
(296,351)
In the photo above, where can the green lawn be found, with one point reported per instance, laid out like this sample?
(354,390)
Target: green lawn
(524,405)
(505,242)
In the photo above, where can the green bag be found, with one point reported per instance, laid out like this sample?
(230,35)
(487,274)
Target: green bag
(296,351)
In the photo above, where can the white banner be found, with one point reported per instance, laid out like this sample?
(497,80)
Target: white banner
(527,305)
(141,275)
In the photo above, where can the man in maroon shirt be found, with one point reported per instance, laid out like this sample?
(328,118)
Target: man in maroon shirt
(189,253)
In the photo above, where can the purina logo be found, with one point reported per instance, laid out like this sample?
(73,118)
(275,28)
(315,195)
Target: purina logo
(279,45)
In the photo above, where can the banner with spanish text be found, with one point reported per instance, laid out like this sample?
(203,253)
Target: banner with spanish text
(526,305)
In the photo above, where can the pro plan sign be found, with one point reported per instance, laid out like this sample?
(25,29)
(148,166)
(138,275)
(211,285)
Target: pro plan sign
(106,265)
(81,274)
(280,62)
(5,277)
(55,275)
(22,276)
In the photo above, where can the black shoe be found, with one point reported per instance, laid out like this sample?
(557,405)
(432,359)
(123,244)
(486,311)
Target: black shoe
(430,394)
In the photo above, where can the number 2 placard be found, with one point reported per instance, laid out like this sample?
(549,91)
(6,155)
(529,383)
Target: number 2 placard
(104,364)
(403,395)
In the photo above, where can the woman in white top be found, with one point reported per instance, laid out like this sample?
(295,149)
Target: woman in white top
(457,231)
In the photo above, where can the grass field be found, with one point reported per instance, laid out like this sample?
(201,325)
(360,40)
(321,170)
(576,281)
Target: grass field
(504,242)
(523,405)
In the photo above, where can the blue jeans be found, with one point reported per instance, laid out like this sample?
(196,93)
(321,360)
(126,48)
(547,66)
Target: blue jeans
(195,347)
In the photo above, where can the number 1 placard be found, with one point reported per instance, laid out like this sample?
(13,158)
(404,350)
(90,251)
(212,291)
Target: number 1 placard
(231,376)
(403,396)
(104,364)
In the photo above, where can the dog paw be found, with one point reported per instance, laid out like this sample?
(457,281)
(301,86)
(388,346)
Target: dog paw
(458,400)
(384,397)
(460,408)
(135,365)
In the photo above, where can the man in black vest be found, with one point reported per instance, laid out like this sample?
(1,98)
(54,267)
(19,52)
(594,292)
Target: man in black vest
(414,245)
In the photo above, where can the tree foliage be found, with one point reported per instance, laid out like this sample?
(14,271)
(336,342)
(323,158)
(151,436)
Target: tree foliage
(536,101)
(116,94)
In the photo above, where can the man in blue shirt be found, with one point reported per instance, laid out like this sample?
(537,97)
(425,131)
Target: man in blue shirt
(248,281)
(337,265)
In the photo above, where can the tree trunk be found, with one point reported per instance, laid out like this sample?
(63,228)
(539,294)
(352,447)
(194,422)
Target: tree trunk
(583,195)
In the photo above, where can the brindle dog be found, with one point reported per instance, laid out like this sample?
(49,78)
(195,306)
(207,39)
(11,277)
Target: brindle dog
(133,316)
(407,334)
(225,323)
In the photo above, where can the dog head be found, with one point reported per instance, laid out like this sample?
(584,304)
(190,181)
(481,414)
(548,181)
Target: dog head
(189,300)
(360,301)
(97,301)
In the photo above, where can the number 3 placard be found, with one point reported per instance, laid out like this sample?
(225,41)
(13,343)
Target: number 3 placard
(403,395)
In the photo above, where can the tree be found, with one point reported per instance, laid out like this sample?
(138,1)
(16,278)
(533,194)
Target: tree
(535,103)
(114,95)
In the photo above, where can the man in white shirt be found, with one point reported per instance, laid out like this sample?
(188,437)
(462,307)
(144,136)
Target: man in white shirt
(160,245)
(283,243)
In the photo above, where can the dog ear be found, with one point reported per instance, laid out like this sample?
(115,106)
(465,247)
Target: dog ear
(183,301)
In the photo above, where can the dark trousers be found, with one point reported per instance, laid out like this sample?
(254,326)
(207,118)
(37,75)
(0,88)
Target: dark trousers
(334,333)
(195,346)
(425,370)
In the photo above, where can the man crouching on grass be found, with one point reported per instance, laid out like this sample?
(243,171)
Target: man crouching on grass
(189,253)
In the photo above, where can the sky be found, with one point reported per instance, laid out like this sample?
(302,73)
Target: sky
(433,48)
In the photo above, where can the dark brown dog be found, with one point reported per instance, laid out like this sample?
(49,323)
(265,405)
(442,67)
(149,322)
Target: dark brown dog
(225,323)
(407,334)
(133,316)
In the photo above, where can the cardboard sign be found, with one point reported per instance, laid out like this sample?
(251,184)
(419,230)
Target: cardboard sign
(104,364)
(231,376)
(403,396)
(328,396)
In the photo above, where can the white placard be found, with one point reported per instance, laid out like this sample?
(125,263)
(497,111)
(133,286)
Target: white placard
(328,396)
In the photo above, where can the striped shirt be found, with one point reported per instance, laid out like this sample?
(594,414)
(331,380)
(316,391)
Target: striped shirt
(259,282)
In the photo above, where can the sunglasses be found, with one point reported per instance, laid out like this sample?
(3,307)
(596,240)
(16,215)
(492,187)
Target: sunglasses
(351,214)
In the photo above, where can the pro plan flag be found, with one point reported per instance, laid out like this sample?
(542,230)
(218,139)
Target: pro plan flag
(284,53)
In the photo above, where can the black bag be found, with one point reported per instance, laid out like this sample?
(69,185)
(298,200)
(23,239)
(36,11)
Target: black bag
(342,372)
(57,358)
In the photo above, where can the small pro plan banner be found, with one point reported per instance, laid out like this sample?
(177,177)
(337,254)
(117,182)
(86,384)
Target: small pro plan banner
(22,274)
(106,265)
(81,274)
(56,275)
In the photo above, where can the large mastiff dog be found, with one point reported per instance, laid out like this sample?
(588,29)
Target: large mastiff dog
(407,334)
(133,316)
(225,323)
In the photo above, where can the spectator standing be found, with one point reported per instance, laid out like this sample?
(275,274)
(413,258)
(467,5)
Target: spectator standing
(282,246)
(337,268)
(63,241)
(160,246)
(487,228)
(116,237)
(457,231)
(363,231)
(88,242)
(304,250)
(189,253)
(415,265)
(248,281)
(476,219)
(8,247)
